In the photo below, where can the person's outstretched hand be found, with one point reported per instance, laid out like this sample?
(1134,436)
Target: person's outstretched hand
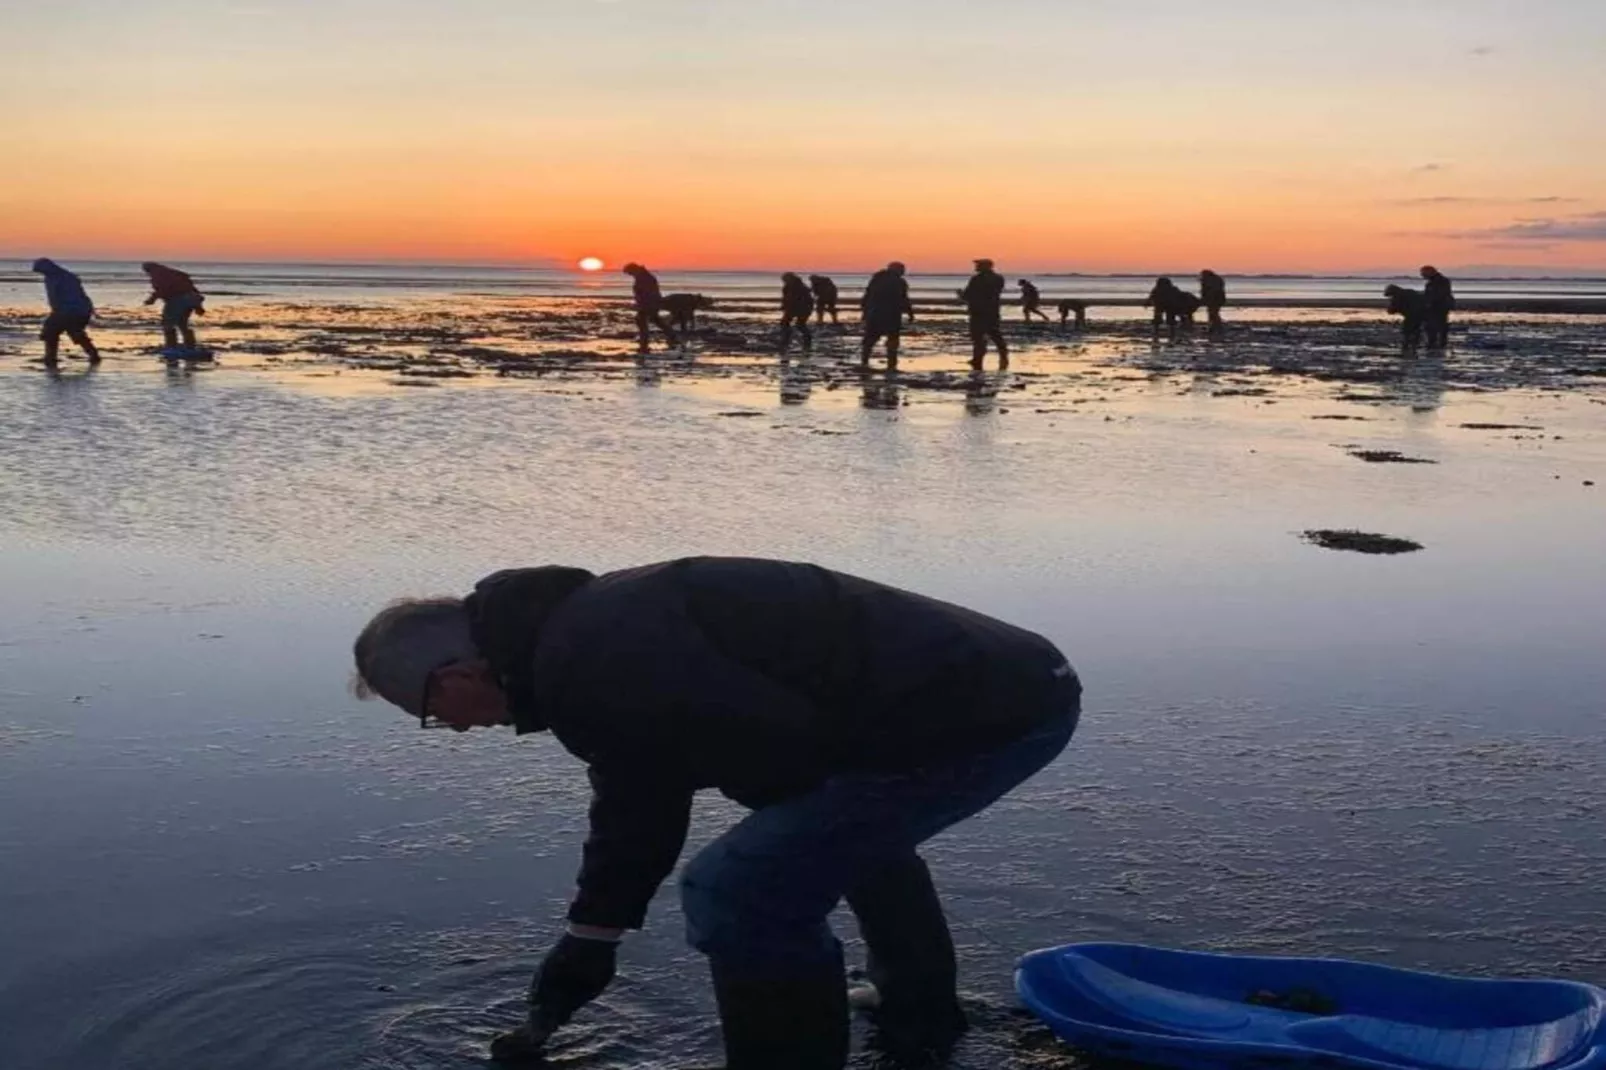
(574,972)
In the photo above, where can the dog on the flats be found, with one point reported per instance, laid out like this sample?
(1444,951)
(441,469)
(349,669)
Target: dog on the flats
(683,309)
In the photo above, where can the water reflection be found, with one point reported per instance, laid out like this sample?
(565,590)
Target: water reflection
(797,382)
(981,393)
(883,391)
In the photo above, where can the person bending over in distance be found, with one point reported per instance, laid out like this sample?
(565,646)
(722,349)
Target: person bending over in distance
(1172,305)
(649,300)
(1213,295)
(1438,297)
(1072,306)
(853,720)
(884,306)
(70,312)
(1031,301)
(983,296)
(683,309)
(1411,306)
(825,296)
(180,300)
(797,305)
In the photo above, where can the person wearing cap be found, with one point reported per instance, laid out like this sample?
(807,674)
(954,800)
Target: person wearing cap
(853,720)
(983,296)
(1438,297)
(649,300)
(180,300)
(884,305)
(70,312)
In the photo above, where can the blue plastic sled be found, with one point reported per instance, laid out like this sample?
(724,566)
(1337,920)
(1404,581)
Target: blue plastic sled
(1196,1011)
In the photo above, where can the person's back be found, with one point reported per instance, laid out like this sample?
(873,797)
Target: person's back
(984,294)
(64,291)
(796,297)
(646,292)
(824,288)
(1212,289)
(169,283)
(886,297)
(1438,292)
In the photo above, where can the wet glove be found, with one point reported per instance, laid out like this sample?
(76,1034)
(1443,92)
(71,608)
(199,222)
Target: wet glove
(574,973)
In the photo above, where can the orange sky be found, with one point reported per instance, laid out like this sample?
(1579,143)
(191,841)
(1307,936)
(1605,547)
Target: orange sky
(712,133)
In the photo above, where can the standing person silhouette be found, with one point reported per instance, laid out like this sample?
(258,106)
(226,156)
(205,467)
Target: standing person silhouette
(70,312)
(649,298)
(1438,298)
(797,305)
(180,300)
(1031,301)
(825,296)
(983,296)
(1213,293)
(885,305)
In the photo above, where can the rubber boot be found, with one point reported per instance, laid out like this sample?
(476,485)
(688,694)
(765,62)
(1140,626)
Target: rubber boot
(783,1023)
(911,963)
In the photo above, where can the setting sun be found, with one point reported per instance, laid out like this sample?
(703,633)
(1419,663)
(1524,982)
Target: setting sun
(591,263)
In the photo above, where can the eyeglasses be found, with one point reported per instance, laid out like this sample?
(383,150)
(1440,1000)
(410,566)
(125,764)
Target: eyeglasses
(427,719)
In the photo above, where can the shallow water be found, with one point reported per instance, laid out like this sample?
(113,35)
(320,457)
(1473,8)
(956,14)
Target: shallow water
(210,855)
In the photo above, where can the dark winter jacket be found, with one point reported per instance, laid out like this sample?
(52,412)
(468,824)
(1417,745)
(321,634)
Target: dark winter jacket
(824,289)
(63,290)
(886,300)
(169,283)
(1212,289)
(796,297)
(1438,295)
(983,295)
(648,294)
(759,678)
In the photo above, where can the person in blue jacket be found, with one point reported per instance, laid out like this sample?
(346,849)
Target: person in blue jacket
(854,720)
(70,311)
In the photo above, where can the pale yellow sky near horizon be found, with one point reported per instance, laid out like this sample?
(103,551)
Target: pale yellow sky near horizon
(1246,134)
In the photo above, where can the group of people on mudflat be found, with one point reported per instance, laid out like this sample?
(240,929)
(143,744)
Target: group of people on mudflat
(886,307)
(71,310)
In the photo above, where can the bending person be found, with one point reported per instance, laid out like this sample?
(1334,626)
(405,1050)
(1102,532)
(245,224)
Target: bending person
(70,312)
(854,720)
(649,301)
(180,300)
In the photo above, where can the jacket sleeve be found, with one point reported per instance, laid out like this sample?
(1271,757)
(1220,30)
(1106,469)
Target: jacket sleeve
(637,831)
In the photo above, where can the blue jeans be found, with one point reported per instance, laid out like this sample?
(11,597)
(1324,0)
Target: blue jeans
(756,899)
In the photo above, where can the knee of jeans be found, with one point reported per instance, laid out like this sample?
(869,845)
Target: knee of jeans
(711,911)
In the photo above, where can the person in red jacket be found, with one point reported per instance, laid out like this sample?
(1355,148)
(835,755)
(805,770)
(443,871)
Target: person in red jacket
(180,300)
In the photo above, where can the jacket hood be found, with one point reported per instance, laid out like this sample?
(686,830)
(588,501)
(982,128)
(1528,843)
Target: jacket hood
(507,612)
(48,267)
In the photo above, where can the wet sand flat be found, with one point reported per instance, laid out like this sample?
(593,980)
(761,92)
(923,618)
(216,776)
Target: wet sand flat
(1286,748)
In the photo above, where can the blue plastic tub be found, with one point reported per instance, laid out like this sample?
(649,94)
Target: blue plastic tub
(1198,1011)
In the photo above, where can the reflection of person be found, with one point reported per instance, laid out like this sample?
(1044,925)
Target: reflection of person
(1031,301)
(983,297)
(885,304)
(825,296)
(1438,298)
(1213,294)
(1411,306)
(70,312)
(180,300)
(797,305)
(649,298)
(853,719)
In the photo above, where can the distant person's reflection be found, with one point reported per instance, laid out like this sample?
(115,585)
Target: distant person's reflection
(54,373)
(1422,382)
(981,393)
(796,382)
(884,391)
(648,373)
